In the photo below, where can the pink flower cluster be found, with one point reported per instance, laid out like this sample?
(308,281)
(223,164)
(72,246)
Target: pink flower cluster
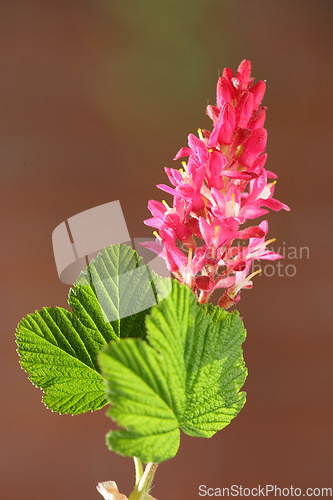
(223,184)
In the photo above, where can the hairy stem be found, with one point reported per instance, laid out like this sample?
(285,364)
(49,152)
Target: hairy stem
(142,488)
(138,470)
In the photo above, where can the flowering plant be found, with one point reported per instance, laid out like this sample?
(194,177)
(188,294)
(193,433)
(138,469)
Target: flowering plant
(153,349)
(223,184)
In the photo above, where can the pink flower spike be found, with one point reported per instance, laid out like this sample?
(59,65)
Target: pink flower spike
(222,185)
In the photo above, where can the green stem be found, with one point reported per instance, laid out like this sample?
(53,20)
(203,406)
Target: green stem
(142,488)
(138,470)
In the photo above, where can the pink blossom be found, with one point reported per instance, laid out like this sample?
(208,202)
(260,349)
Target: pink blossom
(222,185)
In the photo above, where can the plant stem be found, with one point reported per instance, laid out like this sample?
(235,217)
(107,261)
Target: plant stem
(147,478)
(142,488)
(138,470)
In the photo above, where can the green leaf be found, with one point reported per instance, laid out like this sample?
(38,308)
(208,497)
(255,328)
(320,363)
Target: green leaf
(59,353)
(58,348)
(114,293)
(186,376)
(142,402)
(216,373)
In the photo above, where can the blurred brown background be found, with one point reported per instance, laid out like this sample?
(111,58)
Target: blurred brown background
(96,97)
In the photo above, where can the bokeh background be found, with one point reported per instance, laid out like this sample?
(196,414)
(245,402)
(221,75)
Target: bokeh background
(96,97)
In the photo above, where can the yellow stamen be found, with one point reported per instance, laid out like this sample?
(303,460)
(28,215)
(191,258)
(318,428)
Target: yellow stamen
(253,274)
(269,241)
(239,150)
(165,204)
(155,233)
(233,201)
(200,134)
(184,165)
(189,258)
(182,172)
(216,231)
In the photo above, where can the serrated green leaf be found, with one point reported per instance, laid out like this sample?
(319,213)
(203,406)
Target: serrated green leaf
(59,353)
(58,348)
(187,376)
(114,293)
(216,373)
(142,401)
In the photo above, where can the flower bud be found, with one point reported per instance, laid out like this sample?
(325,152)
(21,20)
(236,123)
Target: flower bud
(243,76)
(224,92)
(244,110)
(258,90)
